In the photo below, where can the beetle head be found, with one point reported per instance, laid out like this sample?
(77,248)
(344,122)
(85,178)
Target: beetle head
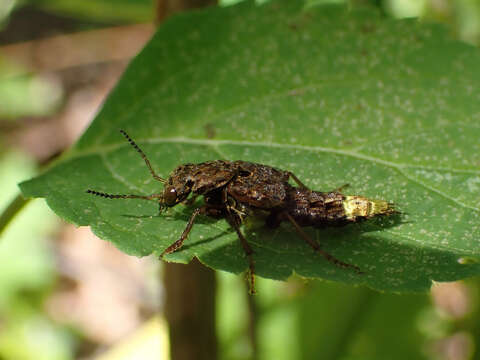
(176,191)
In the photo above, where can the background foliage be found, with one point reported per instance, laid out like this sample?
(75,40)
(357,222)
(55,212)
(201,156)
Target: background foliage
(429,168)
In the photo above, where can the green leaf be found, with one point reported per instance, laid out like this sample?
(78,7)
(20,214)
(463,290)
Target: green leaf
(391,107)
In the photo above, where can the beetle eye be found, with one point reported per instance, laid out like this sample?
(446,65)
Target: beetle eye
(170,195)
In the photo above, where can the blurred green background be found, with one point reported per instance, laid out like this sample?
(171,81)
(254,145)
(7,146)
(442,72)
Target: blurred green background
(48,296)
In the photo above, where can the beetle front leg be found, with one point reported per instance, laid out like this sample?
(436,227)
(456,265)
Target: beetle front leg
(178,244)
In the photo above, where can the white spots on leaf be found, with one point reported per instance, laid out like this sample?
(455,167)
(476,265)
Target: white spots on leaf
(473,184)
(434,176)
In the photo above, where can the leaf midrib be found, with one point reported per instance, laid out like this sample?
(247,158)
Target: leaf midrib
(214,144)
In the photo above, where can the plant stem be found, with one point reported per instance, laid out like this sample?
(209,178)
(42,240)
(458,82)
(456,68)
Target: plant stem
(360,308)
(190,311)
(165,8)
(12,209)
(252,323)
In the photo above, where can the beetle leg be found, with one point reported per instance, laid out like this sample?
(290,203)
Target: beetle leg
(302,185)
(340,188)
(316,247)
(235,220)
(178,244)
(297,180)
(161,206)
(191,200)
(239,213)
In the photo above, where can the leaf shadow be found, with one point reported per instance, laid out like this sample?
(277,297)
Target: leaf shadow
(389,265)
(208,239)
(184,215)
(379,223)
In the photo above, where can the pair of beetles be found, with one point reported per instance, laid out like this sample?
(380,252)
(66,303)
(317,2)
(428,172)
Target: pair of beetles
(235,190)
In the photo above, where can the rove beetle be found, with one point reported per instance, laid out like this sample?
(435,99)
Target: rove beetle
(236,189)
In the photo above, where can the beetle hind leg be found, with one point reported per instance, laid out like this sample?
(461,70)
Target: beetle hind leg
(317,248)
(297,180)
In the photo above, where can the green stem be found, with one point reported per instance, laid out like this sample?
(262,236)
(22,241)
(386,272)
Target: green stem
(252,322)
(12,209)
(359,310)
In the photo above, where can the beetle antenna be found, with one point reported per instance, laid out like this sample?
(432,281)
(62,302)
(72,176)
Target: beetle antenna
(144,157)
(120,196)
